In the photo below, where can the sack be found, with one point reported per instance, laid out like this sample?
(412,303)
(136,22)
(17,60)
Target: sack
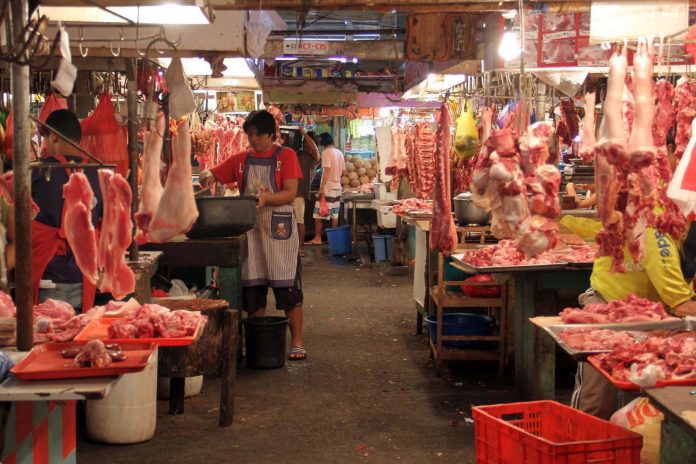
(480,291)
(682,188)
(466,135)
(642,417)
(323,207)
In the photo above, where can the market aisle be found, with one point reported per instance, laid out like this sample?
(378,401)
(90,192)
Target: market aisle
(366,388)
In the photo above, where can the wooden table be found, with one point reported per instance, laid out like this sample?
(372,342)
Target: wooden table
(678,432)
(227,253)
(214,353)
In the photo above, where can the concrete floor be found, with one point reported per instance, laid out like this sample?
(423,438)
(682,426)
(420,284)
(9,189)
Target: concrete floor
(367,392)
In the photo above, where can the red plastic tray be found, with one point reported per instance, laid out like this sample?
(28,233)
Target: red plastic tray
(44,362)
(99,328)
(626,385)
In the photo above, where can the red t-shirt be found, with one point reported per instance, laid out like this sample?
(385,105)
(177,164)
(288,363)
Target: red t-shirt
(231,170)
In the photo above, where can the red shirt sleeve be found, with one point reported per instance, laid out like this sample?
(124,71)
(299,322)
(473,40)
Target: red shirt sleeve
(231,170)
(290,165)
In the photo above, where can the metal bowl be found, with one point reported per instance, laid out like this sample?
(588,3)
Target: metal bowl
(467,212)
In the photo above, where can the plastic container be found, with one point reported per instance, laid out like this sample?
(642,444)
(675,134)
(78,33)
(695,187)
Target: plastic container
(339,240)
(546,432)
(382,245)
(264,339)
(192,387)
(128,414)
(465,324)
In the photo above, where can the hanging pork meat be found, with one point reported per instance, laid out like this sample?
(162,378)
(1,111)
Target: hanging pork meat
(587,139)
(443,233)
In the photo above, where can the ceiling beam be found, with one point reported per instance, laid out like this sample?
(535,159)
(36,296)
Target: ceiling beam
(375,50)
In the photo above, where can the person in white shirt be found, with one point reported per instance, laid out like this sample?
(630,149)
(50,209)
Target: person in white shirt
(333,165)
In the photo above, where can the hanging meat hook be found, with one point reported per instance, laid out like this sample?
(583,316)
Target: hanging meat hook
(115,53)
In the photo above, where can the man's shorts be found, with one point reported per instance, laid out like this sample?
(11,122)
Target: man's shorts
(255,298)
(333,201)
(299,205)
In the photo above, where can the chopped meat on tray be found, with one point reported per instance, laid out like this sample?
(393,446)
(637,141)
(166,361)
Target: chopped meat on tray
(152,321)
(94,354)
(632,309)
(594,339)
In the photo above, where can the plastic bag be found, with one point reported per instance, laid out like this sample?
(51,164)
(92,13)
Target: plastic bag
(323,207)
(104,138)
(642,417)
(466,136)
(682,188)
(648,377)
(480,291)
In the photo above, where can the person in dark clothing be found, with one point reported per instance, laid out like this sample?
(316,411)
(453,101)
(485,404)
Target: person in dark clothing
(56,274)
(309,160)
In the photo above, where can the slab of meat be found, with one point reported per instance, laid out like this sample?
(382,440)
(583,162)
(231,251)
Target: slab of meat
(631,309)
(7,306)
(587,339)
(115,237)
(587,139)
(504,253)
(77,224)
(424,144)
(7,192)
(412,204)
(55,310)
(155,321)
(151,188)
(675,356)
(685,104)
(94,354)
(177,210)
(179,323)
(568,126)
(443,233)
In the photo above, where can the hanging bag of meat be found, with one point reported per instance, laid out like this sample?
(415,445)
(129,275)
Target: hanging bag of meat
(103,137)
(466,137)
(323,207)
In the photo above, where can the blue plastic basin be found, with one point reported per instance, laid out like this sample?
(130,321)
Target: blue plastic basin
(465,324)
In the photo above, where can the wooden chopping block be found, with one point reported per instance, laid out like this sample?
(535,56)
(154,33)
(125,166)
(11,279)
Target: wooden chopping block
(203,357)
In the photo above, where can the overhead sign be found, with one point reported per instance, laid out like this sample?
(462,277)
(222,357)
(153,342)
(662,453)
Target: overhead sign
(305,47)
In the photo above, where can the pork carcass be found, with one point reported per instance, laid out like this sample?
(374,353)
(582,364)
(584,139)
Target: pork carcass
(587,138)
(115,237)
(151,188)
(443,234)
(177,209)
(77,224)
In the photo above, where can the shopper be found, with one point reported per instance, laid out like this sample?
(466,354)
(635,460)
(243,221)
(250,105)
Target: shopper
(309,160)
(55,271)
(665,274)
(333,165)
(271,173)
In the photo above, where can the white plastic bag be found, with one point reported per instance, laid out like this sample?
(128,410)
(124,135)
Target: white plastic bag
(650,375)
(681,189)
(642,417)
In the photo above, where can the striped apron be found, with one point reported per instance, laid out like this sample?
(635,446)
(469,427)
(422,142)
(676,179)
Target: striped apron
(273,243)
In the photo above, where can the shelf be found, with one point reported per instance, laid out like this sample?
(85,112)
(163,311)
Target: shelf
(466,354)
(452,300)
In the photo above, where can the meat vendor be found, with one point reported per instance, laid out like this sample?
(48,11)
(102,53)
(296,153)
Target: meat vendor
(665,274)
(271,173)
(56,274)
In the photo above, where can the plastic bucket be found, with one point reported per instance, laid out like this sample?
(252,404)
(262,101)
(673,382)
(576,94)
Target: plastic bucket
(339,240)
(128,414)
(382,245)
(264,339)
(465,324)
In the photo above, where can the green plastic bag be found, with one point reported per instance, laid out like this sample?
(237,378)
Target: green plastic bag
(466,135)
(585,227)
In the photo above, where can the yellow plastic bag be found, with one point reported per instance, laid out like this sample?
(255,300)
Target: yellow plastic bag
(466,135)
(642,417)
(584,227)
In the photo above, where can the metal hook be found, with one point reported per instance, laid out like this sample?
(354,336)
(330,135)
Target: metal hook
(83,52)
(120,34)
(117,52)
(137,50)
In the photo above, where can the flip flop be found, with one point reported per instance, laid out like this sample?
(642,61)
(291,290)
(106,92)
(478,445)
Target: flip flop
(312,244)
(302,254)
(297,353)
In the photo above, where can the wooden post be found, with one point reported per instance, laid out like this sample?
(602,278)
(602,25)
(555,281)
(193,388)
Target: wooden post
(131,71)
(22,186)
(230,339)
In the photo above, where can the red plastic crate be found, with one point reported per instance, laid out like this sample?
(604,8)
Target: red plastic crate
(547,432)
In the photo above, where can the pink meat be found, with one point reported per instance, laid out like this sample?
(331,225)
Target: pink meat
(151,188)
(177,210)
(443,234)
(630,309)
(77,224)
(587,140)
(7,192)
(115,237)
(7,306)
(54,309)
(594,339)
(94,354)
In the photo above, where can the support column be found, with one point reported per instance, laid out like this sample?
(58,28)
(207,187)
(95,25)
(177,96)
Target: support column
(131,70)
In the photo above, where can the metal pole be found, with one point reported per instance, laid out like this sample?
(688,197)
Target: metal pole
(133,148)
(24,299)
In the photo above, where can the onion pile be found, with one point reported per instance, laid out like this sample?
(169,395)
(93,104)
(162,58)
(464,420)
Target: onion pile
(359,171)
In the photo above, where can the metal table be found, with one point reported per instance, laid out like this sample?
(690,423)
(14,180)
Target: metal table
(355,199)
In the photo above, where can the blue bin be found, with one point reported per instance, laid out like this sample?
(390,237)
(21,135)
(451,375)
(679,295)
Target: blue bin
(339,240)
(465,324)
(382,245)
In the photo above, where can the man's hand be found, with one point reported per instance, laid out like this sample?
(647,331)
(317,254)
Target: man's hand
(206,178)
(687,308)
(261,200)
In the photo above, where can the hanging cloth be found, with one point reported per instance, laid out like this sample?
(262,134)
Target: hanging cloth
(103,137)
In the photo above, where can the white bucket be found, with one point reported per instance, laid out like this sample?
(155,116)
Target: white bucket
(128,414)
(192,387)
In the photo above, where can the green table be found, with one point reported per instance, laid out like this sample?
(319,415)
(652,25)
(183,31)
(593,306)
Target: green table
(678,431)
